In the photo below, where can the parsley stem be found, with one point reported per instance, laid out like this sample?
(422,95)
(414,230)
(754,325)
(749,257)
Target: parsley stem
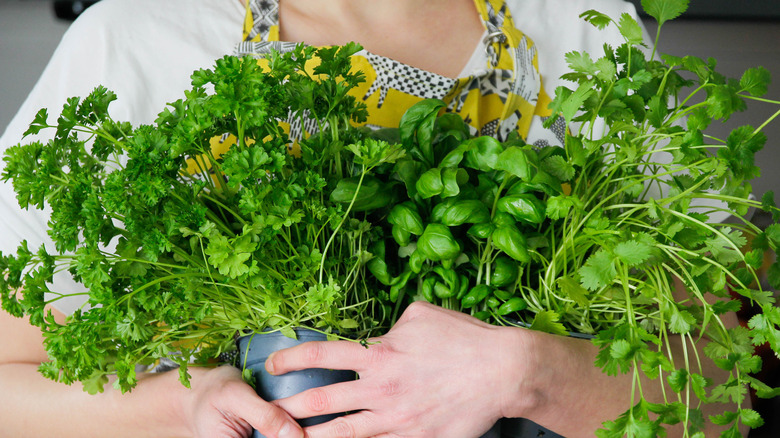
(338,227)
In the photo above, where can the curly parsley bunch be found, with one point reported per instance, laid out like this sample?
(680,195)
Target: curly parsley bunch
(180,246)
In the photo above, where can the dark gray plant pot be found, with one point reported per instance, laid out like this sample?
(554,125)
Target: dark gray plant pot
(257,347)
(522,428)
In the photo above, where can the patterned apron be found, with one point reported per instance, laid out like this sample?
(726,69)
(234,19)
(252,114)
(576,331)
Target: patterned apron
(505,96)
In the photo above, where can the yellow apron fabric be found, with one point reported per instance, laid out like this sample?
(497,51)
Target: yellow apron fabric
(503,97)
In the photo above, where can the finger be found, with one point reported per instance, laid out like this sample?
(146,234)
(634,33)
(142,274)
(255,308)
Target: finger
(362,424)
(334,355)
(268,419)
(324,400)
(426,310)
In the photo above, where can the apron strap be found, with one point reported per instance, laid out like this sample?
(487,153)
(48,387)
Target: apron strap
(262,20)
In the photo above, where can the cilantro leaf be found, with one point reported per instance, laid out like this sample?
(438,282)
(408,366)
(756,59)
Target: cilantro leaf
(558,167)
(678,379)
(630,30)
(750,418)
(571,288)
(596,18)
(632,252)
(665,10)
(755,81)
(560,206)
(567,103)
(548,321)
(581,62)
(681,321)
(598,271)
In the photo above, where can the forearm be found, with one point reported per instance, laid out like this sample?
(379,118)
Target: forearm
(218,404)
(573,397)
(32,405)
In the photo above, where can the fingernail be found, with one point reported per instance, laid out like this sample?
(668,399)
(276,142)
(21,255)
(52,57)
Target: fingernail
(290,431)
(269,363)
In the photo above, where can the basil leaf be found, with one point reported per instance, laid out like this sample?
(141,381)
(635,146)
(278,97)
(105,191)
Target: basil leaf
(409,172)
(368,195)
(377,265)
(510,240)
(401,236)
(455,156)
(481,231)
(417,123)
(475,296)
(437,243)
(505,272)
(525,208)
(465,211)
(483,153)
(514,161)
(452,179)
(406,217)
(430,183)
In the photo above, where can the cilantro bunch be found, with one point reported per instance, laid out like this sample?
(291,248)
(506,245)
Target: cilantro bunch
(646,190)
(181,248)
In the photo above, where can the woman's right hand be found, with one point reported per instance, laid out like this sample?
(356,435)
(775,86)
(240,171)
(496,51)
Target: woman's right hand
(221,404)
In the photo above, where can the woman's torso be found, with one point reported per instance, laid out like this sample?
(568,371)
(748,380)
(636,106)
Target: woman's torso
(498,90)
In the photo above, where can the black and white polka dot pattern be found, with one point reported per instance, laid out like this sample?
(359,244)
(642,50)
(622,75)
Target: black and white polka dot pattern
(392,74)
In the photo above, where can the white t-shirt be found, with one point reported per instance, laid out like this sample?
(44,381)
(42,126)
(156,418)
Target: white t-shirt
(146,50)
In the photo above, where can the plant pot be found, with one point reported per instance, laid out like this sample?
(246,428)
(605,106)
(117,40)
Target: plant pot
(254,349)
(522,428)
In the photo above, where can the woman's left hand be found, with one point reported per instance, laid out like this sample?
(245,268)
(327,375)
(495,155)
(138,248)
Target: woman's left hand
(436,373)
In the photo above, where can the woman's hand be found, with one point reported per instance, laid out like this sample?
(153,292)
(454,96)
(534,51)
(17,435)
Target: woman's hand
(436,373)
(223,405)
(440,373)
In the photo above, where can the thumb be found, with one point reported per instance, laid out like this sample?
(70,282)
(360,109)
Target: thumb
(268,419)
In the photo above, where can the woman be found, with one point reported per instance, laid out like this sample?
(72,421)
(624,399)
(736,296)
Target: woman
(413,380)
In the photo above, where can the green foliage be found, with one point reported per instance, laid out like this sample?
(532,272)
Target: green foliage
(178,248)
(589,236)
(664,10)
(627,248)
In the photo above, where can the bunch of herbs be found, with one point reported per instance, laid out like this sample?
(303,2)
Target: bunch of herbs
(178,247)
(613,235)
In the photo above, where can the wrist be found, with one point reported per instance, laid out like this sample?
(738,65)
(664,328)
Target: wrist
(526,379)
(552,375)
(161,403)
(182,401)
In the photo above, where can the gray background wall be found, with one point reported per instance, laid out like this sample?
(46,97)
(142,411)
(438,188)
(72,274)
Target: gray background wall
(29,33)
